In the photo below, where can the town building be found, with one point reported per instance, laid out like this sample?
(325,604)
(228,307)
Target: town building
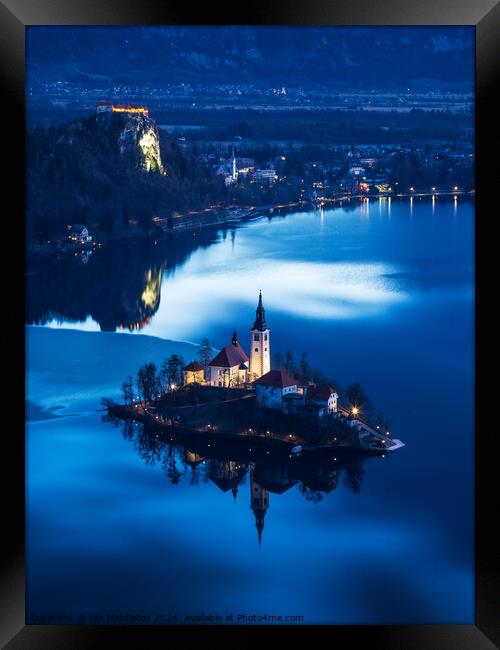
(79,233)
(260,342)
(194,373)
(268,175)
(273,387)
(229,368)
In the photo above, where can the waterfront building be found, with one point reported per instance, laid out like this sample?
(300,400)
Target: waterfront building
(194,373)
(79,233)
(260,344)
(273,387)
(323,397)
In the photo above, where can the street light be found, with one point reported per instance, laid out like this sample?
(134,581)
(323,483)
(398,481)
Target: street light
(355,410)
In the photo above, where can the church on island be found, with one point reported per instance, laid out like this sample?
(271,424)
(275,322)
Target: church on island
(231,367)
(275,389)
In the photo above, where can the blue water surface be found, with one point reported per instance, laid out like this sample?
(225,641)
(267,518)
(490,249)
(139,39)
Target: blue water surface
(381,294)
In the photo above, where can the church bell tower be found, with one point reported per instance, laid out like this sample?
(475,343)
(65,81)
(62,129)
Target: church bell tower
(259,502)
(260,344)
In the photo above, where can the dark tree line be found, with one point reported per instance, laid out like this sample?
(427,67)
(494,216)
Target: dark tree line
(77,174)
(150,382)
(302,370)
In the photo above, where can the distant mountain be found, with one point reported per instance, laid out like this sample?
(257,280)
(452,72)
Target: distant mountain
(381,58)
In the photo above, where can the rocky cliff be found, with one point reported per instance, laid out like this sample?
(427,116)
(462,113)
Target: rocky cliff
(137,137)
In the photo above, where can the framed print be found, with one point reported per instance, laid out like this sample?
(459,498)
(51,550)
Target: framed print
(250,380)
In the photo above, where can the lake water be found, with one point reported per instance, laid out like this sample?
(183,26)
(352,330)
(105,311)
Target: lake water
(380,293)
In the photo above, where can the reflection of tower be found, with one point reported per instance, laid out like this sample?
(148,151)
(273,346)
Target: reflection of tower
(259,502)
(234,173)
(260,348)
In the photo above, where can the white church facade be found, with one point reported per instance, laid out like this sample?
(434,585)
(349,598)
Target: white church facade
(231,367)
(274,389)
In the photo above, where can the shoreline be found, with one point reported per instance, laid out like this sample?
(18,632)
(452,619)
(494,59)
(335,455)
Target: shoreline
(251,443)
(225,217)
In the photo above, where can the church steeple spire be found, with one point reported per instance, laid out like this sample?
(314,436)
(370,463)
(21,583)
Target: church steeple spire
(234,172)
(260,316)
(260,350)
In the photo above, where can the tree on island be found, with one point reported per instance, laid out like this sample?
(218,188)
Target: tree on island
(171,371)
(303,371)
(205,353)
(289,363)
(147,382)
(277,360)
(128,390)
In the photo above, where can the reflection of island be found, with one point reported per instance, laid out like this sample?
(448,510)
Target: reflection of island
(228,466)
(118,287)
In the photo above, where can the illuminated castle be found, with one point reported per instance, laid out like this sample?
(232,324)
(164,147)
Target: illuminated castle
(108,107)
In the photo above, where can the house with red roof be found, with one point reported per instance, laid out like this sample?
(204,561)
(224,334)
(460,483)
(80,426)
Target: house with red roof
(194,373)
(229,368)
(271,388)
(322,399)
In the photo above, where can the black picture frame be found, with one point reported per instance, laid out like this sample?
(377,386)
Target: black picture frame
(15,15)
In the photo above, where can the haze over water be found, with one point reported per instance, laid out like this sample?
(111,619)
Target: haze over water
(381,293)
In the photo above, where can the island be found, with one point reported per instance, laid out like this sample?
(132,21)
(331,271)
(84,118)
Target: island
(232,398)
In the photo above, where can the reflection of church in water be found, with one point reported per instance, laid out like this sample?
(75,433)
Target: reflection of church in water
(265,478)
(312,476)
(228,474)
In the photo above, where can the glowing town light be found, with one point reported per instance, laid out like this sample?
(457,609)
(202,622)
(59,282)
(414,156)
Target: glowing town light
(433,189)
(412,189)
(355,410)
(455,188)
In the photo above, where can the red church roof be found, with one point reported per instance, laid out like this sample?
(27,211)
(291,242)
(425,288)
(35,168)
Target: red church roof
(277,378)
(230,356)
(321,393)
(194,366)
